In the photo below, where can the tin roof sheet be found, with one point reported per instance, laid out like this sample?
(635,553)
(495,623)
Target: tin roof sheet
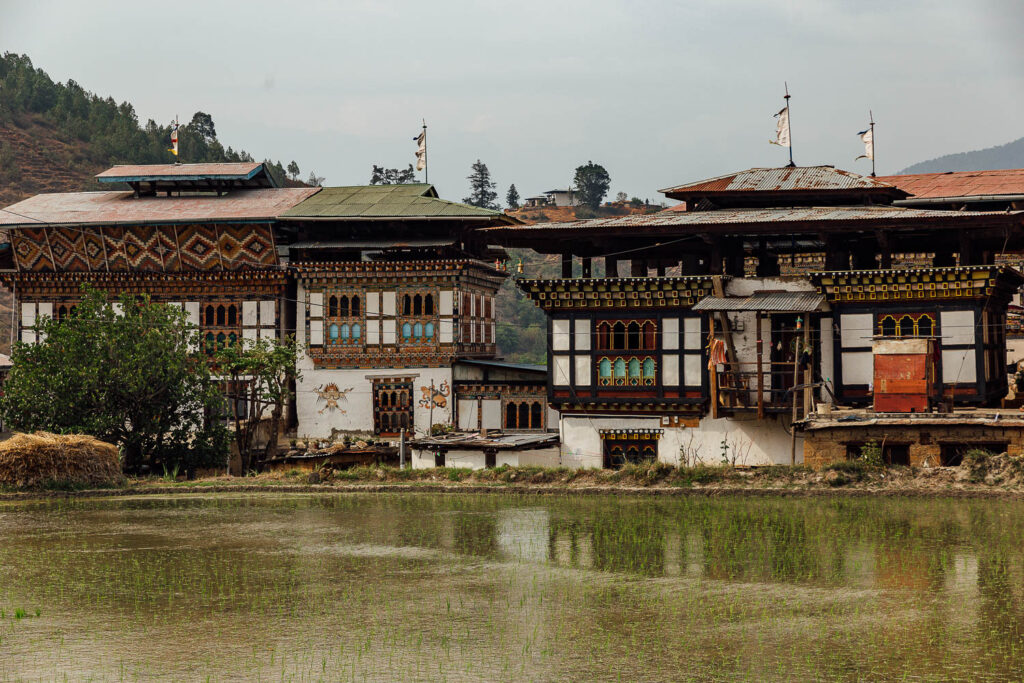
(960,183)
(499,441)
(785,302)
(222,171)
(386,201)
(696,220)
(124,207)
(787,178)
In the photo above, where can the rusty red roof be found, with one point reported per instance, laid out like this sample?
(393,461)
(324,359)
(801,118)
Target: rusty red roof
(124,207)
(781,218)
(785,179)
(960,183)
(243,169)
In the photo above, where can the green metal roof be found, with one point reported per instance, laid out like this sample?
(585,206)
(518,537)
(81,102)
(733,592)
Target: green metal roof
(413,201)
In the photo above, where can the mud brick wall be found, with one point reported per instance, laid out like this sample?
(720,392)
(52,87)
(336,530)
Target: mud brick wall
(825,446)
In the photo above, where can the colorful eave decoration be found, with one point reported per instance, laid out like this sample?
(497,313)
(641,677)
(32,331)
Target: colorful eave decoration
(958,282)
(621,292)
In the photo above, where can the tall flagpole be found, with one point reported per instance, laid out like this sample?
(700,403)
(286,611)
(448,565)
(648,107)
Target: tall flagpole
(426,167)
(871,118)
(789,119)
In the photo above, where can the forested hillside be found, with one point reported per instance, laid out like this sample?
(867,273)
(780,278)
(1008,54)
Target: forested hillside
(1010,155)
(54,137)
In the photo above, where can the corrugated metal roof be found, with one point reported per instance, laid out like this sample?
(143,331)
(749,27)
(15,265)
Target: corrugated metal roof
(124,207)
(504,365)
(785,302)
(221,171)
(787,178)
(960,184)
(498,441)
(386,201)
(373,244)
(774,215)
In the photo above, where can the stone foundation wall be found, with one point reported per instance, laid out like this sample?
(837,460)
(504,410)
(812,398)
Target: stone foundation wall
(825,446)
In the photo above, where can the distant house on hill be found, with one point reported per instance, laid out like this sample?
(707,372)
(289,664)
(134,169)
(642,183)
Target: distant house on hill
(552,198)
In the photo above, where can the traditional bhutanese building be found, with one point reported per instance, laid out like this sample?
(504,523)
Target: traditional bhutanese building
(388,289)
(685,335)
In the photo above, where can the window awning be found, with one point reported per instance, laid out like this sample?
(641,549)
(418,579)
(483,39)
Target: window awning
(777,302)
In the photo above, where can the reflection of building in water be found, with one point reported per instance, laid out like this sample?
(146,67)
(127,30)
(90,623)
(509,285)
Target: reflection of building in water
(523,534)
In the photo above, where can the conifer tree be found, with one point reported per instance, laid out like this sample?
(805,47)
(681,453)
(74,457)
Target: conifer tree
(512,198)
(481,188)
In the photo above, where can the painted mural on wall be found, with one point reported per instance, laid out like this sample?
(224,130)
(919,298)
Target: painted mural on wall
(435,397)
(330,394)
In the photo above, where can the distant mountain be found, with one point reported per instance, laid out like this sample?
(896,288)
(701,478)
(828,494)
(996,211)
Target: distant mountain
(1010,155)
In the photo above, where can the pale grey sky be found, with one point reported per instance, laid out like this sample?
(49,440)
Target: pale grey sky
(659,92)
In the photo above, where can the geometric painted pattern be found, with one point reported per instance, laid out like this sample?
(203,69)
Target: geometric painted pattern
(151,248)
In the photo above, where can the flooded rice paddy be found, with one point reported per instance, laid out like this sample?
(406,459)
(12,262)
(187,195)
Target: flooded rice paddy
(460,588)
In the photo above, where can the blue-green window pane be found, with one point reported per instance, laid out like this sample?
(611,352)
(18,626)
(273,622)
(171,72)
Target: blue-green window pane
(604,368)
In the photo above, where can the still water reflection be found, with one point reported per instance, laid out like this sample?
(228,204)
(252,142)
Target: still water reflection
(403,587)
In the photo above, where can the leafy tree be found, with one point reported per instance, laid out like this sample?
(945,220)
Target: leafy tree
(293,170)
(621,197)
(315,180)
(126,372)
(512,198)
(481,188)
(392,176)
(265,371)
(592,182)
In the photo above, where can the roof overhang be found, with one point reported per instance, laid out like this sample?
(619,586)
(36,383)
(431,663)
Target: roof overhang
(764,302)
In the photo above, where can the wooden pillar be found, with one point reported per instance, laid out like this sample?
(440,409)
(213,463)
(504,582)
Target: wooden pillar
(585,261)
(808,371)
(611,266)
(715,264)
(884,249)
(760,368)
(567,264)
(793,418)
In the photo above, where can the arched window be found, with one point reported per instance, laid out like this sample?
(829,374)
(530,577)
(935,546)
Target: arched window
(888,326)
(906,326)
(633,454)
(428,304)
(649,453)
(232,339)
(417,330)
(603,334)
(510,416)
(634,369)
(620,369)
(62,312)
(385,399)
(332,333)
(648,368)
(403,419)
(385,422)
(221,316)
(332,307)
(355,305)
(925,326)
(357,331)
(406,330)
(535,415)
(633,336)
(403,399)
(210,316)
(650,336)
(345,332)
(417,305)
(406,305)
(619,336)
(343,307)
(221,338)
(524,416)
(232,316)
(211,342)
(604,368)
(428,330)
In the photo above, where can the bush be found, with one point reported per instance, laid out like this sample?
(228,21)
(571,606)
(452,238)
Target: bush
(871,454)
(977,462)
(63,461)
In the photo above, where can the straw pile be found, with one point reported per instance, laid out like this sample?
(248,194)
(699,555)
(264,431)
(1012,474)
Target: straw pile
(32,460)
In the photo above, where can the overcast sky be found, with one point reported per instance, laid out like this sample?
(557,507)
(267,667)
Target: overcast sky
(659,92)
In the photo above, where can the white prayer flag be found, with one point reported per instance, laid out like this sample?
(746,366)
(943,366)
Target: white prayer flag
(421,151)
(782,128)
(868,137)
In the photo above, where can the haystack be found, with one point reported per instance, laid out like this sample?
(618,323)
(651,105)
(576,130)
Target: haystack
(31,460)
